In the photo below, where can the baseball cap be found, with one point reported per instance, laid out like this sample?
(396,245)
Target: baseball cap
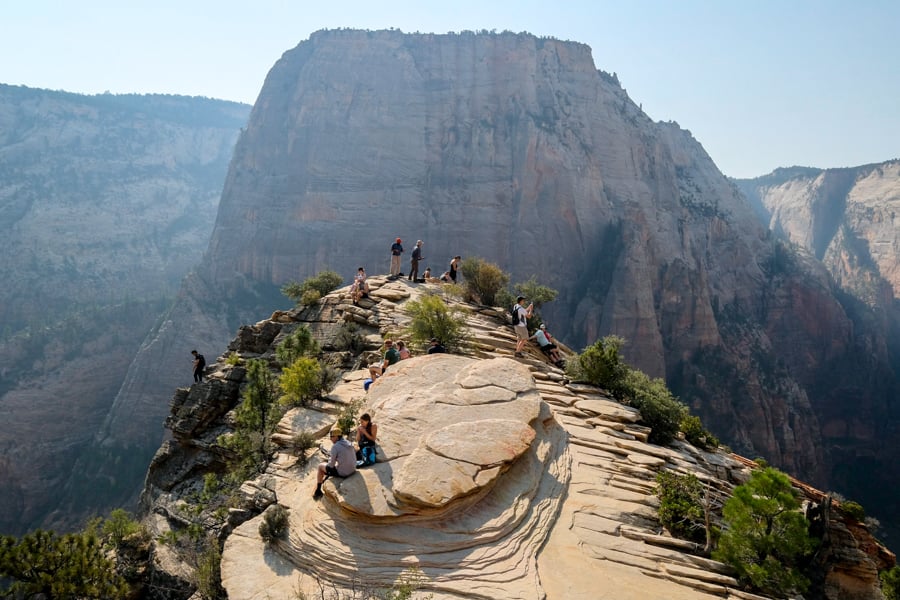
(520,298)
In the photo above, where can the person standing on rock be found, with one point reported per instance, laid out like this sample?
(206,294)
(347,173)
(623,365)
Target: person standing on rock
(521,314)
(199,365)
(341,461)
(396,251)
(414,261)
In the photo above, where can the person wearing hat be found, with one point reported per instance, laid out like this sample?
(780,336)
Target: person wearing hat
(396,251)
(414,261)
(521,315)
(436,347)
(546,343)
(341,461)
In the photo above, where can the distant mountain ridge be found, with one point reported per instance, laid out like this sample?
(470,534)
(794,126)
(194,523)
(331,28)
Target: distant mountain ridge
(106,202)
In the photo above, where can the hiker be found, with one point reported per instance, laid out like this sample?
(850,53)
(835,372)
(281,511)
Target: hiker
(547,344)
(521,314)
(427,274)
(366,434)
(396,251)
(391,356)
(402,350)
(436,347)
(454,267)
(414,261)
(199,365)
(341,461)
(360,287)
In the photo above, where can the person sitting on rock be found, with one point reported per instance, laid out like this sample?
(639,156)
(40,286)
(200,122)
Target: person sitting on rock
(366,434)
(391,356)
(341,461)
(427,274)
(360,287)
(402,350)
(546,343)
(436,347)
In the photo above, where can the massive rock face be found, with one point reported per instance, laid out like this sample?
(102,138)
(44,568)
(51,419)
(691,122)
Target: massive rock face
(846,218)
(107,202)
(517,149)
(496,478)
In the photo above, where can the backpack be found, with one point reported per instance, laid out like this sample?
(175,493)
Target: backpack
(514,311)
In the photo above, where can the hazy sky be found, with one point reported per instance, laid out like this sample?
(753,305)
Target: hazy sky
(760,83)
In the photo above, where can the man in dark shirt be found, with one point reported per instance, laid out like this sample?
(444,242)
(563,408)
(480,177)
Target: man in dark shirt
(414,261)
(436,347)
(199,365)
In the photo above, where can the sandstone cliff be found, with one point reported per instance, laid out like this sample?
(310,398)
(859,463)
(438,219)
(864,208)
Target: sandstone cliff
(107,202)
(846,218)
(517,149)
(496,478)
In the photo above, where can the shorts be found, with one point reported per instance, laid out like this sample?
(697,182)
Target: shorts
(548,348)
(332,471)
(521,331)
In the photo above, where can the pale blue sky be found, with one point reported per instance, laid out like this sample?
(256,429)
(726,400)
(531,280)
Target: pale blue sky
(761,83)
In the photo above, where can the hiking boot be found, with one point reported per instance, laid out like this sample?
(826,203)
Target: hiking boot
(317,494)
(519,355)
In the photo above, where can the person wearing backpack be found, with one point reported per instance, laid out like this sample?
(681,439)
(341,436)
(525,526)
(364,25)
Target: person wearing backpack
(199,365)
(366,434)
(521,314)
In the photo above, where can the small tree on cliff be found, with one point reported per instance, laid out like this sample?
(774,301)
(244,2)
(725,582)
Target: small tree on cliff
(765,535)
(42,564)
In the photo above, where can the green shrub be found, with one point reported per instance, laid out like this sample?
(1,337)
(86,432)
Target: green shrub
(482,280)
(208,571)
(119,526)
(431,317)
(536,293)
(323,283)
(301,443)
(42,564)
(890,583)
(854,510)
(602,365)
(696,434)
(233,359)
(660,410)
(504,298)
(680,505)
(347,418)
(299,343)
(765,536)
(310,297)
(348,338)
(274,523)
(301,382)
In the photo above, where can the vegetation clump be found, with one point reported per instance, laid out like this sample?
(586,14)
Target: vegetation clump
(90,564)
(483,280)
(680,505)
(274,523)
(432,318)
(765,536)
(304,294)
